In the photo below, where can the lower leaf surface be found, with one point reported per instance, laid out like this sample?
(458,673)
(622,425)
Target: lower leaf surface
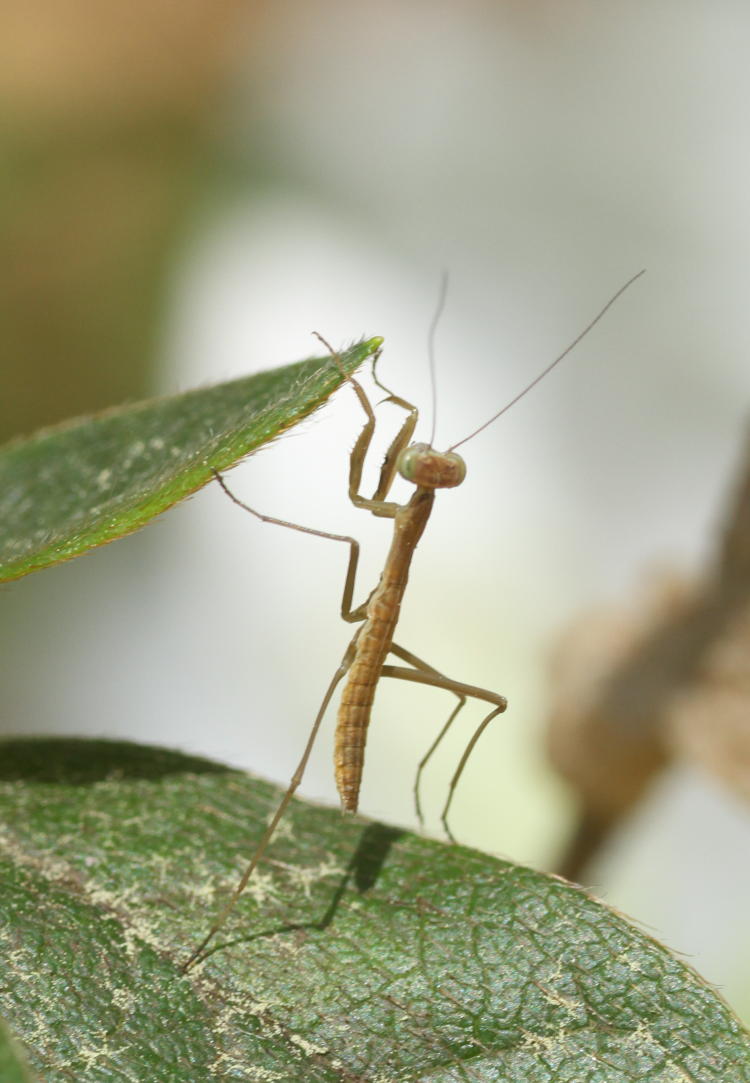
(358,952)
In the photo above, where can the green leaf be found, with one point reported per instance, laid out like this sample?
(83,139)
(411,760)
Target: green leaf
(92,480)
(358,953)
(13,1066)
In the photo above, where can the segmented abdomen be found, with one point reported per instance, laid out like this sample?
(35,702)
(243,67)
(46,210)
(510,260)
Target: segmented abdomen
(373,645)
(359,692)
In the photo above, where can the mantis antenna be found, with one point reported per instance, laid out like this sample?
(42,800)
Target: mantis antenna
(552,364)
(431,348)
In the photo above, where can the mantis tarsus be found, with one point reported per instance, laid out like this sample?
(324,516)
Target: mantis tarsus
(365,657)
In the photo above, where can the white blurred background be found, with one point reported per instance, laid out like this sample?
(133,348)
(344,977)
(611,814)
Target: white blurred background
(541,154)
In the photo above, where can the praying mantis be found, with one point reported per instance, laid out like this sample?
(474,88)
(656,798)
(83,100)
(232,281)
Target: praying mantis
(364,660)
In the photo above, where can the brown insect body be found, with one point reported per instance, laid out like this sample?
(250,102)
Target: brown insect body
(364,661)
(372,646)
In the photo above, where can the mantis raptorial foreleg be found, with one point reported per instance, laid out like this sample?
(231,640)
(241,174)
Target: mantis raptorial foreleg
(377,503)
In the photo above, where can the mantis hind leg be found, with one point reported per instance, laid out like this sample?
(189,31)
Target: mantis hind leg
(418,663)
(200,952)
(422,673)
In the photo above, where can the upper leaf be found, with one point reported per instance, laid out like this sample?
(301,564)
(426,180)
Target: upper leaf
(94,479)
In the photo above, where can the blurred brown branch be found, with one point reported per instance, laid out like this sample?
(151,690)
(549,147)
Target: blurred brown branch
(670,678)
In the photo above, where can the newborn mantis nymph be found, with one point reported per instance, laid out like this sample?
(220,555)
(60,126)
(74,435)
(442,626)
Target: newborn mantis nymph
(365,658)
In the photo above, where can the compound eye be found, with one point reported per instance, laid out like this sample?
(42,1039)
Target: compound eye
(422,465)
(409,460)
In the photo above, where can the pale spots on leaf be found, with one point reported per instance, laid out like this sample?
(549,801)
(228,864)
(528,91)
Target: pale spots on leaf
(261,888)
